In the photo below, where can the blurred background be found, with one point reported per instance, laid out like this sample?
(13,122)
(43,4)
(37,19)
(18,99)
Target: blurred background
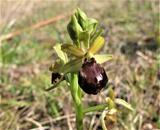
(28,31)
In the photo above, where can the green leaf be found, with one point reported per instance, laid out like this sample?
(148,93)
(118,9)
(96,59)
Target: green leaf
(123,103)
(72,66)
(71,49)
(60,53)
(95,108)
(97,45)
(14,102)
(101,58)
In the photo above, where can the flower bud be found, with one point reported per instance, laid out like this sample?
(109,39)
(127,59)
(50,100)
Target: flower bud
(82,18)
(80,27)
(111,119)
(92,77)
(74,29)
(55,77)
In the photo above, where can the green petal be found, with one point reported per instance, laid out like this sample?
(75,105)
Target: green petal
(102,58)
(71,49)
(97,45)
(60,53)
(72,66)
(124,104)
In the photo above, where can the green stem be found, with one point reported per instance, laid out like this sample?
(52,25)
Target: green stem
(76,95)
(78,44)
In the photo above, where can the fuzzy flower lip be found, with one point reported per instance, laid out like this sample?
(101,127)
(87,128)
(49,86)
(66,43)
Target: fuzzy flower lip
(92,77)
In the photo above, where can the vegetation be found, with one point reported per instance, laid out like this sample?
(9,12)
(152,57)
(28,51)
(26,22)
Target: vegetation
(132,32)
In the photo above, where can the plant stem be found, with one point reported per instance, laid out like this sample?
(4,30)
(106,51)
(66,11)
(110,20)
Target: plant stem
(79,116)
(76,95)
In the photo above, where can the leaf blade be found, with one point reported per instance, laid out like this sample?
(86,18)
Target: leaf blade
(124,104)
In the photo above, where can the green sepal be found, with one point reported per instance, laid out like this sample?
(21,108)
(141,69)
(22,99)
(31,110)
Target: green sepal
(71,49)
(62,55)
(102,58)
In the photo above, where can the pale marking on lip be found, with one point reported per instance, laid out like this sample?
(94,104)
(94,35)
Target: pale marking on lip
(99,77)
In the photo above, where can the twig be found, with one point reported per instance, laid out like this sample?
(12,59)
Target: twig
(33,121)
(92,122)
(146,58)
(44,128)
(69,123)
(35,26)
(65,117)
(59,118)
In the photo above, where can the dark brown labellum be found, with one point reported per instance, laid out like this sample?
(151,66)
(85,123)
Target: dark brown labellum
(55,77)
(92,77)
(158,74)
